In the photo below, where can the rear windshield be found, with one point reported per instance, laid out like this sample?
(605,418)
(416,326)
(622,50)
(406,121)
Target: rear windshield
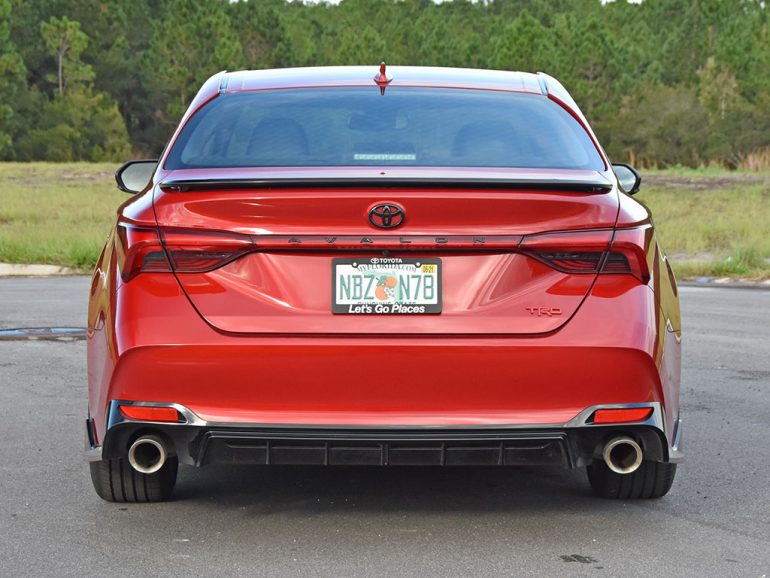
(404,127)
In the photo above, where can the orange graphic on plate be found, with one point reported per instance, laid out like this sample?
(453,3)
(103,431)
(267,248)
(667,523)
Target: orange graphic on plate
(385,288)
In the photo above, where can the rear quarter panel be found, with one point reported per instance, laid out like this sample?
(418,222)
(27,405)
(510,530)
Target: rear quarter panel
(668,322)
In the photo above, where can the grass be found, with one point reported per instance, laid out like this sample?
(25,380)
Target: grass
(56,213)
(711,222)
(744,264)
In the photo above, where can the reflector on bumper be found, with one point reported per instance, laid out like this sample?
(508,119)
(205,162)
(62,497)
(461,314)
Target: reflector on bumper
(150,413)
(622,415)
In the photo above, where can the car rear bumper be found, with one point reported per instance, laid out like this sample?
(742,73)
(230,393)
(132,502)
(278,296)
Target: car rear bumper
(371,382)
(197,442)
(612,352)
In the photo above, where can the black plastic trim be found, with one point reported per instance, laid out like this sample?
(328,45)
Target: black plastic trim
(119,178)
(385,182)
(637,184)
(200,445)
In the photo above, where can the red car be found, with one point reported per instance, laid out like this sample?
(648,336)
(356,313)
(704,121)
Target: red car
(382,266)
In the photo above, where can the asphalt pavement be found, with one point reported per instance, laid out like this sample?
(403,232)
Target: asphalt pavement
(251,521)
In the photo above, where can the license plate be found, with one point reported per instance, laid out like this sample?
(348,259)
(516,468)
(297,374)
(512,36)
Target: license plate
(386,286)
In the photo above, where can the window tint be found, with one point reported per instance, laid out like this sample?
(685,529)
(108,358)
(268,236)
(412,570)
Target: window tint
(404,127)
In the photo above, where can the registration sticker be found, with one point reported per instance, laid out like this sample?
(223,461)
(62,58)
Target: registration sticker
(386,286)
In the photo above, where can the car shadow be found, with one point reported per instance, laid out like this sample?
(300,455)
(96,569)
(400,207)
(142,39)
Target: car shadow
(280,489)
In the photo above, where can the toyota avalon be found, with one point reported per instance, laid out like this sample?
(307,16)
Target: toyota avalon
(382,266)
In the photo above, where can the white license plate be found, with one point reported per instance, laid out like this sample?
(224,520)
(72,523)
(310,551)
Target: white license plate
(386,286)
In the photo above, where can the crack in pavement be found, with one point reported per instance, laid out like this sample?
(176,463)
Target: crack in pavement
(43,333)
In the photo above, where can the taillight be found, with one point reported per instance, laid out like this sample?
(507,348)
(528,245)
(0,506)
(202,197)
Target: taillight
(572,252)
(592,251)
(572,261)
(616,263)
(139,250)
(632,244)
(149,250)
(201,251)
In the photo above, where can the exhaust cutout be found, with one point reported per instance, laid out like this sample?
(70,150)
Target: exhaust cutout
(622,455)
(147,454)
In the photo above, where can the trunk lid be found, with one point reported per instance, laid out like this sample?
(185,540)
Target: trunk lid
(300,222)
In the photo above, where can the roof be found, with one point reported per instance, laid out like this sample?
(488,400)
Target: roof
(245,80)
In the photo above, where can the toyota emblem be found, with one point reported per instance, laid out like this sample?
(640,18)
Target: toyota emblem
(386,215)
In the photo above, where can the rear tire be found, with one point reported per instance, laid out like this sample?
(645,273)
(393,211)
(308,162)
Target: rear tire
(116,481)
(650,480)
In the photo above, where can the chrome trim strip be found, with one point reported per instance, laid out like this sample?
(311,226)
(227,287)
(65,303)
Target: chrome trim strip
(223,82)
(580,420)
(675,454)
(114,416)
(93,454)
(655,420)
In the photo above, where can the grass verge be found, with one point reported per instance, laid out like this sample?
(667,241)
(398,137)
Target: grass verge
(58,214)
(711,222)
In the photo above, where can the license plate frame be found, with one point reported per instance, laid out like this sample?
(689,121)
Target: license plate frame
(404,270)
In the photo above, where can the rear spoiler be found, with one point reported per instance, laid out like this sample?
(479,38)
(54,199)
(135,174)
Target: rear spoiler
(594,184)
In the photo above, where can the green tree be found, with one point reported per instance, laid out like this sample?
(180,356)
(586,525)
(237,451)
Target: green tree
(525,44)
(78,123)
(81,125)
(259,30)
(12,80)
(191,41)
(659,126)
(362,47)
(66,41)
(705,61)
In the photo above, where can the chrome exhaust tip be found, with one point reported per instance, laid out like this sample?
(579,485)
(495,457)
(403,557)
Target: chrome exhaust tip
(622,455)
(147,454)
